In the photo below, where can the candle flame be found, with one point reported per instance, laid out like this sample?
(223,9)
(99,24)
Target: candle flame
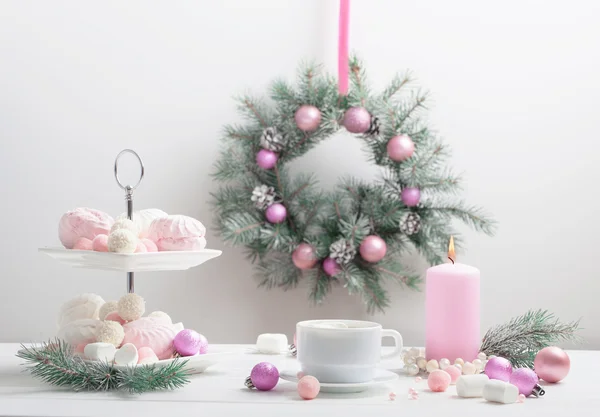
(451,252)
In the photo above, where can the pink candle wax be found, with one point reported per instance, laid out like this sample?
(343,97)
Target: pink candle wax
(452,312)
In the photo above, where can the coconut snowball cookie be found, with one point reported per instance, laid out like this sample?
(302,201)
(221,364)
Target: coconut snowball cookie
(131,307)
(82,222)
(143,219)
(122,241)
(125,224)
(110,332)
(178,233)
(107,307)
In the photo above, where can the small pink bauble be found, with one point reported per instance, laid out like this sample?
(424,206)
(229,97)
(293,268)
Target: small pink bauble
(264,376)
(373,249)
(141,248)
(438,380)
(308,387)
(524,379)
(400,148)
(100,243)
(150,245)
(411,196)
(114,316)
(498,368)
(276,213)
(307,118)
(454,373)
(357,120)
(187,342)
(203,345)
(552,364)
(83,243)
(304,256)
(331,267)
(266,159)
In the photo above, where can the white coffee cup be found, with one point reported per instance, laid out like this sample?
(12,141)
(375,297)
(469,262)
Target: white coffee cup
(342,351)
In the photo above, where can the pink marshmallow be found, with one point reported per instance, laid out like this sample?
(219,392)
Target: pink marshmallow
(150,245)
(114,316)
(140,248)
(181,244)
(177,233)
(83,222)
(100,243)
(146,355)
(80,348)
(83,244)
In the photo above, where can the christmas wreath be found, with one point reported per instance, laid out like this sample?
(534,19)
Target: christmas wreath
(353,235)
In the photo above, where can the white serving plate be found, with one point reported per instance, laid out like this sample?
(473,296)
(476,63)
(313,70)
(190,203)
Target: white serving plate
(382,376)
(132,262)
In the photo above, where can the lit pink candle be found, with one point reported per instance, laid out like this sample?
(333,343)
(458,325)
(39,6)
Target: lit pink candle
(452,311)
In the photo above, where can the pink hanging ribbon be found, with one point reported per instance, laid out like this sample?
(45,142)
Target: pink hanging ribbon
(343,47)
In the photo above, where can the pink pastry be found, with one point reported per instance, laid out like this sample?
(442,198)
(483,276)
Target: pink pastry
(100,243)
(141,248)
(150,245)
(83,244)
(153,332)
(177,233)
(83,222)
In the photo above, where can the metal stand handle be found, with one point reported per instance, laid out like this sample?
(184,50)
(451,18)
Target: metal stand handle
(129,198)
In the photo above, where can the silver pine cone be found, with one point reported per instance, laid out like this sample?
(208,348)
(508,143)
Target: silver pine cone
(263,196)
(410,224)
(272,140)
(342,251)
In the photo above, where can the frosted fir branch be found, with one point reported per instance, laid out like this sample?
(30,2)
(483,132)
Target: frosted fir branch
(277,271)
(397,83)
(319,284)
(472,216)
(522,337)
(255,110)
(242,228)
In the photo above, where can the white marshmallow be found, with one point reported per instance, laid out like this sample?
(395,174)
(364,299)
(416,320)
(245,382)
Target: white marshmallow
(471,386)
(100,351)
(500,392)
(127,355)
(271,343)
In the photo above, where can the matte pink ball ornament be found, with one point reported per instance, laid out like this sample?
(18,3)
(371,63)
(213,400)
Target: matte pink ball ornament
(188,342)
(264,377)
(331,267)
(276,213)
(307,118)
(438,380)
(411,196)
(357,120)
(552,364)
(266,159)
(308,387)
(498,368)
(400,148)
(454,373)
(527,381)
(304,256)
(373,249)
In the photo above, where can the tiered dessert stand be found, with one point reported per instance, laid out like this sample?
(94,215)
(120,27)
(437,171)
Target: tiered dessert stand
(140,262)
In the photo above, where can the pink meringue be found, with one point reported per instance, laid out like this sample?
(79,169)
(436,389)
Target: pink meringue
(150,245)
(83,222)
(177,233)
(153,332)
(83,243)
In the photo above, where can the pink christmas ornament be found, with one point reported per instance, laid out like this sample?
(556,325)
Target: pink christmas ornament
(83,243)
(373,249)
(114,316)
(552,364)
(438,381)
(411,196)
(83,222)
(153,332)
(307,118)
(188,342)
(150,245)
(266,159)
(140,248)
(400,148)
(177,233)
(276,213)
(264,376)
(498,368)
(304,256)
(357,120)
(454,373)
(527,382)
(100,243)
(331,267)
(309,387)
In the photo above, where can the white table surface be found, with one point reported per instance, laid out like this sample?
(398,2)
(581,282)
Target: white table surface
(220,391)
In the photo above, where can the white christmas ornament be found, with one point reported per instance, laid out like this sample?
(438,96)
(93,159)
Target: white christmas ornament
(107,307)
(84,306)
(110,332)
(468,368)
(444,363)
(432,365)
(459,361)
(131,307)
(127,355)
(143,219)
(99,351)
(79,332)
(125,224)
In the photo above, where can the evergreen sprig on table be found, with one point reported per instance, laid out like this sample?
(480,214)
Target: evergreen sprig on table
(521,338)
(355,209)
(54,363)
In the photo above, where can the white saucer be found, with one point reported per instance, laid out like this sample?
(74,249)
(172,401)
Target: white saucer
(382,376)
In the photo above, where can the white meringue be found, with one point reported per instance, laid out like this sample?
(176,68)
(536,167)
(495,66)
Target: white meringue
(79,332)
(144,218)
(84,306)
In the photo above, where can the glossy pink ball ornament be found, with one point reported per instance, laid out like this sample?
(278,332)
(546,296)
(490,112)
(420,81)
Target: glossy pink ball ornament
(438,380)
(187,342)
(264,377)
(308,387)
(357,120)
(400,148)
(307,118)
(552,364)
(411,196)
(331,267)
(266,159)
(373,249)
(304,256)
(527,382)
(498,368)
(276,213)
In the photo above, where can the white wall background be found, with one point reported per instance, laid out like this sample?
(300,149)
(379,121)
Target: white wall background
(516,92)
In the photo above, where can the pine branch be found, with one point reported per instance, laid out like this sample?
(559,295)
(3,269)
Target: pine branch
(395,86)
(470,215)
(522,337)
(241,228)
